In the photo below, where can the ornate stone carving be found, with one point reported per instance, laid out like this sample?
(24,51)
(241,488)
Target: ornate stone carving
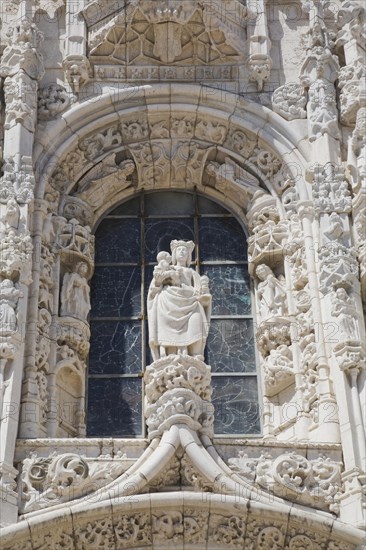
(319,72)
(77,71)
(259,69)
(176,287)
(271,294)
(53,100)
(338,266)
(101,142)
(15,256)
(168,526)
(344,309)
(278,370)
(330,188)
(172,162)
(165,28)
(97,534)
(233,181)
(74,239)
(322,110)
(20,99)
(133,530)
(289,101)
(17,181)
(75,334)
(266,244)
(75,293)
(315,483)
(61,478)
(22,51)
(107,178)
(177,371)
(9,296)
(229,531)
(179,406)
(358,149)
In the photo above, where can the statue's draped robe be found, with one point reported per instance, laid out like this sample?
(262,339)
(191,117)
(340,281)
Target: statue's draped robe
(176,317)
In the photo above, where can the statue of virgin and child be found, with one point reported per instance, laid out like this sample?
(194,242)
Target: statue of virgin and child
(179,304)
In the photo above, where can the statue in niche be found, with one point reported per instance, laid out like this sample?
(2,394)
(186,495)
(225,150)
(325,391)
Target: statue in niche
(271,293)
(75,293)
(9,296)
(179,304)
(344,309)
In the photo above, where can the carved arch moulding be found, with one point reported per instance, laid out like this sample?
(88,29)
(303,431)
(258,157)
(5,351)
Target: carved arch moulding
(105,150)
(177,519)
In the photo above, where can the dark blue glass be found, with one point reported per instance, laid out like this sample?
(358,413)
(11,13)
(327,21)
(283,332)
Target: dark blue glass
(116,292)
(236,405)
(230,288)
(230,346)
(114,407)
(118,241)
(221,239)
(115,347)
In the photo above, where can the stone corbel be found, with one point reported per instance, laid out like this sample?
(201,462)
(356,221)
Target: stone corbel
(77,71)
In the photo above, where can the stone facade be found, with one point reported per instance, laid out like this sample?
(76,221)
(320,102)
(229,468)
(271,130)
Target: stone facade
(261,107)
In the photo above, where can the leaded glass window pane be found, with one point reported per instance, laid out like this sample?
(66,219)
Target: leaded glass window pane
(127,242)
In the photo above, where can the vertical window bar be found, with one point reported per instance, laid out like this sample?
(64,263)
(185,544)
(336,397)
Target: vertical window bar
(195,228)
(143,306)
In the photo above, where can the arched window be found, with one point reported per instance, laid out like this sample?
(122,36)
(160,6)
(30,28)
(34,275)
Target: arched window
(127,242)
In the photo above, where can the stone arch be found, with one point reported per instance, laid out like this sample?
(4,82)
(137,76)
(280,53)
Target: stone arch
(134,116)
(157,137)
(195,520)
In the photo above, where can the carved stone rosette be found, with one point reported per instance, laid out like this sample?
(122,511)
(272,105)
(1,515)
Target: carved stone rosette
(178,391)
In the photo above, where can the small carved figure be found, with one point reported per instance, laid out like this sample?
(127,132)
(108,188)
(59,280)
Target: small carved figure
(179,306)
(344,308)
(9,296)
(75,294)
(164,273)
(12,214)
(335,230)
(271,293)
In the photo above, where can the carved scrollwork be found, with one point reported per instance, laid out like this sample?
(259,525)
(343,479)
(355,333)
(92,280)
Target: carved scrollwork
(61,478)
(293,477)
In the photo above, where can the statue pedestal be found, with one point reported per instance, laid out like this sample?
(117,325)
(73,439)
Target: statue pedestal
(178,391)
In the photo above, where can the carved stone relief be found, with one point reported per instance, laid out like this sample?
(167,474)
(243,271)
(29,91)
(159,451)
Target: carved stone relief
(314,482)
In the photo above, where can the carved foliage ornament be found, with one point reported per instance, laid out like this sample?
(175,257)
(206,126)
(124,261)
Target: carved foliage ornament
(61,478)
(316,483)
(289,101)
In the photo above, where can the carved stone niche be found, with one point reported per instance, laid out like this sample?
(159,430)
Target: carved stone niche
(70,398)
(268,233)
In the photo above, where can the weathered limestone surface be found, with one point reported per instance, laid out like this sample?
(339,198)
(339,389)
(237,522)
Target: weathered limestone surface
(260,106)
